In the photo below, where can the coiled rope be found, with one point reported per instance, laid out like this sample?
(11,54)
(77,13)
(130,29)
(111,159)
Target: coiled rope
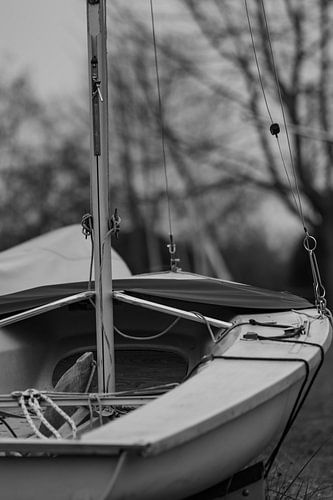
(28,401)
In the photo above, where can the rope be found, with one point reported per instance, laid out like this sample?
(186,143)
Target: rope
(91,412)
(6,424)
(95,397)
(150,337)
(88,231)
(253,322)
(110,487)
(209,328)
(298,402)
(115,223)
(91,376)
(29,399)
(302,393)
(100,409)
(29,402)
(23,406)
(87,225)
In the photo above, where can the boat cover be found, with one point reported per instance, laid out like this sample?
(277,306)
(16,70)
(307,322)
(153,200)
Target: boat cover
(178,286)
(59,256)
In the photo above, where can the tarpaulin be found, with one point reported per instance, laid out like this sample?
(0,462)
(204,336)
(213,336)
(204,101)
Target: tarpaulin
(177,286)
(59,256)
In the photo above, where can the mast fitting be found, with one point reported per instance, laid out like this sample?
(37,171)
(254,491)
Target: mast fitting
(115,223)
(275,129)
(96,99)
(174,261)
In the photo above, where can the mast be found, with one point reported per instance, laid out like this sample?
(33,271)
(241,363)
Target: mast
(100,196)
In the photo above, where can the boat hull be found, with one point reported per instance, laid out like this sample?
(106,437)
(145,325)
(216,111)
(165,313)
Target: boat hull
(232,406)
(182,471)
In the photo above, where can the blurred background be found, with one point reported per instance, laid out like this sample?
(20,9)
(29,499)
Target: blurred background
(234,201)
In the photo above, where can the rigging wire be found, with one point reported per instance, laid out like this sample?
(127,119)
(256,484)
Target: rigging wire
(309,241)
(275,129)
(278,86)
(257,61)
(172,245)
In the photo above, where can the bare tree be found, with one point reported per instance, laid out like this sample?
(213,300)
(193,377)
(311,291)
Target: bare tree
(44,177)
(138,125)
(300,73)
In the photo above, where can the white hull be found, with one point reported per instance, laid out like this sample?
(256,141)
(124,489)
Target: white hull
(189,439)
(175,474)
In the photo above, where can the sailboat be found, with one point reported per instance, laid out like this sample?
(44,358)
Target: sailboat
(196,376)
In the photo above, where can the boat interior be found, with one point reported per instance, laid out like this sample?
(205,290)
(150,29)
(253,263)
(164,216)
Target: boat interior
(47,345)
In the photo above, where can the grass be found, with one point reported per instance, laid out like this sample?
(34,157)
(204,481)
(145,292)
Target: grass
(284,484)
(304,467)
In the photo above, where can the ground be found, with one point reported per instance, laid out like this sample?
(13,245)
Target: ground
(309,445)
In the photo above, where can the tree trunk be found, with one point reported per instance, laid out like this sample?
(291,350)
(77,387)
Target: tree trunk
(325,254)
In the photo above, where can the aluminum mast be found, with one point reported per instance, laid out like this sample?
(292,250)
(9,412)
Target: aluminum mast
(99,175)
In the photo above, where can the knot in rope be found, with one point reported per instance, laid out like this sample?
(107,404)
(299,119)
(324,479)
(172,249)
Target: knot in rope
(28,401)
(115,223)
(87,225)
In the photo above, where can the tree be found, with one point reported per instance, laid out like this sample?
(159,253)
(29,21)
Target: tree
(44,177)
(301,37)
(137,156)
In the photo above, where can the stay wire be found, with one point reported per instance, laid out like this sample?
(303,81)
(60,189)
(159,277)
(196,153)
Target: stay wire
(161,119)
(256,60)
(278,87)
(319,290)
(297,197)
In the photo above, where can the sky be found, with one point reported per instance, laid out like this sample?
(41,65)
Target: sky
(47,38)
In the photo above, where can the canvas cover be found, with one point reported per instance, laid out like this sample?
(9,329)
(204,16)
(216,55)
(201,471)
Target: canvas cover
(57,257)
(176,286)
